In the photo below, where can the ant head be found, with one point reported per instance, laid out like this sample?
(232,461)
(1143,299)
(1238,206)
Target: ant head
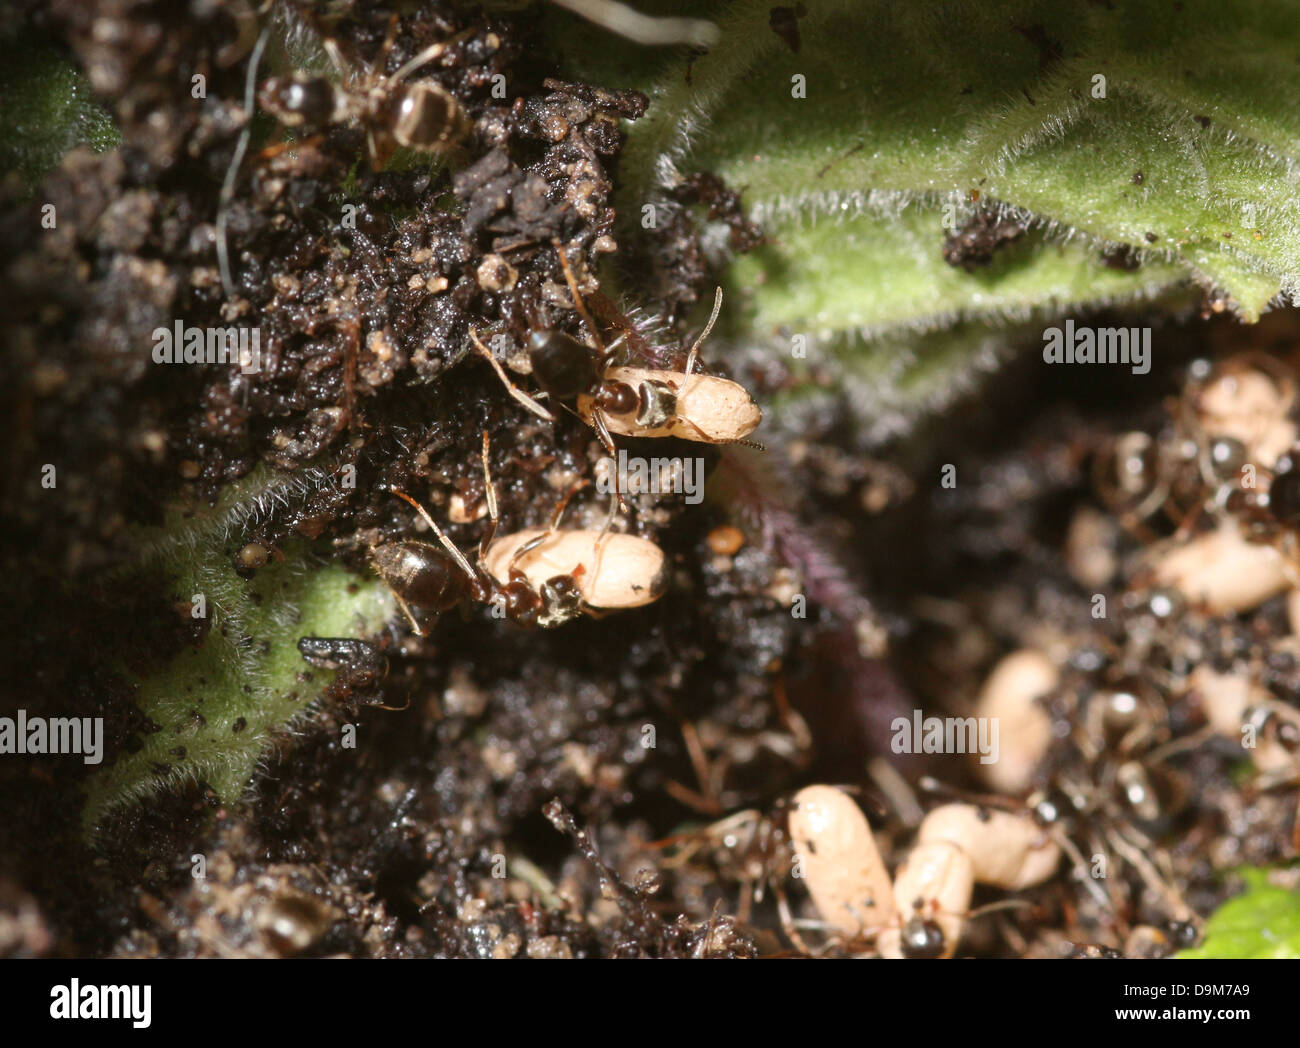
(923,938)
(561,600)
(299,100)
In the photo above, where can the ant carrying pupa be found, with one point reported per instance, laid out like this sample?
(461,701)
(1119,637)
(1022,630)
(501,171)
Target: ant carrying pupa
(552,575)
(631,401)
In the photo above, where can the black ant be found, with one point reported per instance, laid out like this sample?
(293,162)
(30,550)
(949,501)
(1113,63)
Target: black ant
(552,575)
(631,401)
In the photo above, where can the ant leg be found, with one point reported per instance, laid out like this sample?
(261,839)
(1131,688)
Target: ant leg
(450,546)
(602,430)
(428,55)
(556,517)
(578,304)
(336,56)
(406,610)
(511,388)
(272,151)
(390,38)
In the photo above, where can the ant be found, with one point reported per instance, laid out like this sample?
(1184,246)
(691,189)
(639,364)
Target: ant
(552,575)
(630,401)
(420,115)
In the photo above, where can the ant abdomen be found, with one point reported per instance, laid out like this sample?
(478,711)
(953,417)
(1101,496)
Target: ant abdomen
(422,575)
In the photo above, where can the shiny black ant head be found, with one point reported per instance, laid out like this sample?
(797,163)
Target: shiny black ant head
(299,100)
(561,599)
(563,366)
(656,404)
(922,939)
(424,116)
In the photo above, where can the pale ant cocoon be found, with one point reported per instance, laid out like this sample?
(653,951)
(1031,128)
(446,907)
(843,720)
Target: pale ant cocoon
(1225,697)
(1238,708)
(707,409)
(1007,849)
(1222,571)
(934,884)
(611,570)
(839,861)
(1251,407)
(1024,727)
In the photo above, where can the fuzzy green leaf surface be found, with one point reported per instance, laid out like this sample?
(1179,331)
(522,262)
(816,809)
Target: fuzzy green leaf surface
(1172,135)
(46,109)
(1262,923)
(224,701)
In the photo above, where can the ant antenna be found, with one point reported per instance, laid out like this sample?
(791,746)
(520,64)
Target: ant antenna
(450,546)
(490,493)
(578,304)
(713,319)
(232,172)
(428,55)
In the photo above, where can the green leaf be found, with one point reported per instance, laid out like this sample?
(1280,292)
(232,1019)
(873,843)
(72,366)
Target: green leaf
(46,109)
(1173,134)
(1262,923)
(224,701)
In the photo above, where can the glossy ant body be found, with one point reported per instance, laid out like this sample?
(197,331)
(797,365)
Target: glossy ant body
(631,401)
(551,575)
(420,115)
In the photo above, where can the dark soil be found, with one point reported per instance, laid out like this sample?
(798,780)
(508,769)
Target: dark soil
(505,801)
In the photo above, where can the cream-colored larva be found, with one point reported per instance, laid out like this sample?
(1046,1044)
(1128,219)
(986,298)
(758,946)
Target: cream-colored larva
(1223,571)
(611,570)
(934,884)
(698,407)
(1024,729)
(1238,708)
(1224,698)
(1244,403)
(1007,849)
(839,863)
